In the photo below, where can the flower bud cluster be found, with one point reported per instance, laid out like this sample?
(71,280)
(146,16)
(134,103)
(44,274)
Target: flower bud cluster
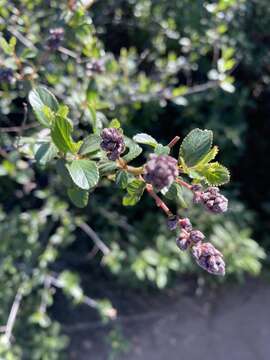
(6,75)
(205,254)
(56,38)
(211,199)
(112,142)
(160,171)
(209,258)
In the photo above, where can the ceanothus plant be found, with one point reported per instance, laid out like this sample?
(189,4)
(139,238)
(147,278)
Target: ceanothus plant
(107,152)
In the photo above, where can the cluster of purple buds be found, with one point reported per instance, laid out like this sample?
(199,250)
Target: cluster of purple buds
(211,199)
(188,237)
(205,254)
(112,142)
(95,66)
(160,171)
(55,39)
(209,258)
(6,75)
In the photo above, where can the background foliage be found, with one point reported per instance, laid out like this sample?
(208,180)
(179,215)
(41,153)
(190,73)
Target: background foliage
(162,68)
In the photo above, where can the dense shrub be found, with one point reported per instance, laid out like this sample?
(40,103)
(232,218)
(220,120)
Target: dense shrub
(162,68)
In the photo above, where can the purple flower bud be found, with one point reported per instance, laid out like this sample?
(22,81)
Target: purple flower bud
(95,66)
(172,222)
(183,241)
(112,142)
(212,200)
(196,236)
(160,171)
(185,224)
(209,258)
(6,75)
(55,39)
(196,187)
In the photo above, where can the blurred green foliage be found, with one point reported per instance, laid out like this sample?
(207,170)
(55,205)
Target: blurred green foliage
(163,68)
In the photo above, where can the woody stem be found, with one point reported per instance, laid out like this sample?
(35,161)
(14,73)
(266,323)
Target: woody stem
(160,203)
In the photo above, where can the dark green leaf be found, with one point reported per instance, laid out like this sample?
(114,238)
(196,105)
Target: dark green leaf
(195,146)
(84,173)
(45,153)
(145,139)
(122,178)
(175,193)
(40,98)
(162,150)
(134,149)
(135,190)
(90,144)
(78,197)
(107,167)
(64,174)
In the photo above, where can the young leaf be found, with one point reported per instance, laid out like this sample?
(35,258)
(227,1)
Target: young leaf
(134,149)
(135,190)
(39,98)
(90,144)
(209,157)
(145,139)
(114,124)
(216,174)
(45,152)
(61,135)
(84,173)
(162,150)
(195,146)
(78,197)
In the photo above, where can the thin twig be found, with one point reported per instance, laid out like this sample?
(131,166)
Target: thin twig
(18,129)
(25,113)
(13,314)
(21,38)
(93,235)
(183,183)
(160,203)
(174,141)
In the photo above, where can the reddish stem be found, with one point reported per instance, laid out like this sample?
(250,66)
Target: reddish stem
(174,141)
(158,200)
(183,183)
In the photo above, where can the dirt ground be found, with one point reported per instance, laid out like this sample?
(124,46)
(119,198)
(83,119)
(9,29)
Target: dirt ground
(231,323)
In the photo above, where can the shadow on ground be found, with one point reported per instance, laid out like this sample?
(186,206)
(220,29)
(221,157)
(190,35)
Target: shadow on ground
(230,323)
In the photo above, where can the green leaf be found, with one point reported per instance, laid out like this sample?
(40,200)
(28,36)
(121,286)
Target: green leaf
(162,150)
(122,178)
(134,149)
(216,174)
(145,139)
(39,98)
(61,135)
(195,146)
(114,124)
(84,173)
(208,157)
(106,167)
(64,173)
(63,111)
(135,190)
(5,46)
(78,197)
(45,153)
(175,193)
(90,144)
